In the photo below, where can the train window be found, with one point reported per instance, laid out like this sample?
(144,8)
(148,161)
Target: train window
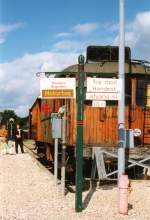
(140,92)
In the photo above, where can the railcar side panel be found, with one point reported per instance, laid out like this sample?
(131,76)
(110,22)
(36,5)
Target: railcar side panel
(101,125)
(36,121)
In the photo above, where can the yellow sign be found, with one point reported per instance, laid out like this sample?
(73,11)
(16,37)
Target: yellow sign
(52,88)
(57,93)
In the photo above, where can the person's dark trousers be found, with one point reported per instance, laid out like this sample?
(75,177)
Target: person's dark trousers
(19,142)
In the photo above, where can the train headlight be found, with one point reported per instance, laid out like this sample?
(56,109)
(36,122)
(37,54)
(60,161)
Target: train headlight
(137,132)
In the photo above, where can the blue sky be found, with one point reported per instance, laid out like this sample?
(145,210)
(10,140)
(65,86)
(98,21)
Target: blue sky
(47,34)
(42,20)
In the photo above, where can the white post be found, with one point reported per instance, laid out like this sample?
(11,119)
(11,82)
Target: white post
(63,153)
(11,131)
(121,104)
(56,161)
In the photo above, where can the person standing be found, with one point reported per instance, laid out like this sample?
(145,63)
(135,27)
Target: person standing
(3,133)
(3,139)
(19,138)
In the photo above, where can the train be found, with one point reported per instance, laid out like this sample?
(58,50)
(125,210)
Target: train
(100,125)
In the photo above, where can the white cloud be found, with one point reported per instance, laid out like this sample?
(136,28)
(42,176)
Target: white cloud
(81,29)
(6,28)
(64,34)
(85,28)
(19,85)
(2,40)
(67,45)
(110,26)
(138,35)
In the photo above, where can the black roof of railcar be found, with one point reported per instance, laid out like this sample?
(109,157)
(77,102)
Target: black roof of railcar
(107,67)
(104,59)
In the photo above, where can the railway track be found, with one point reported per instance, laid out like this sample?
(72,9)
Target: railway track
(39,157)
(42,161)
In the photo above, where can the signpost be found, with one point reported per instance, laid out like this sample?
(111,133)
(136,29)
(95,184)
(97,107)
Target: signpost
(79,144)
(54,88)
(66,88)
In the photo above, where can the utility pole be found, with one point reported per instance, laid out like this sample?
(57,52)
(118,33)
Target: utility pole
(79,141)
(121,103)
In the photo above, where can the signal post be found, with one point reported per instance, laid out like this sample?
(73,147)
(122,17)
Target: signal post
(70,93)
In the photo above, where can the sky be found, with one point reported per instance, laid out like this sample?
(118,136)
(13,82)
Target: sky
(48,35)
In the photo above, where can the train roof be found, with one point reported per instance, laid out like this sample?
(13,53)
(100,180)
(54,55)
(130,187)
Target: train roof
(106,67)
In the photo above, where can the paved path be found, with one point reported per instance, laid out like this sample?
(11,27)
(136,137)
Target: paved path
(27,192)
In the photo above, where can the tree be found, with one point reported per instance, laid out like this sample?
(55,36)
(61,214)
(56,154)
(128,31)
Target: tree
(7,114)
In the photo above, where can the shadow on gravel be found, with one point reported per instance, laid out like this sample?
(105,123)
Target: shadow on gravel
(89,195)
(107,184)
(95,185)
(48,164)
(130,206)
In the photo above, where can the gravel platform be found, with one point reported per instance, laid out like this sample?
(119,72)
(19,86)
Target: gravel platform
(27,192)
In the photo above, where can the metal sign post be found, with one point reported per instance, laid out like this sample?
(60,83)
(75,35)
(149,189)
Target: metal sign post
(63,162)
(79,144)
(56,161)
(56,134)
(121,104)
(56,93)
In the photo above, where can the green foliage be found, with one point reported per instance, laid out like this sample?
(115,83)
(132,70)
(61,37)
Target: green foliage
(23,122)
(7,114)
